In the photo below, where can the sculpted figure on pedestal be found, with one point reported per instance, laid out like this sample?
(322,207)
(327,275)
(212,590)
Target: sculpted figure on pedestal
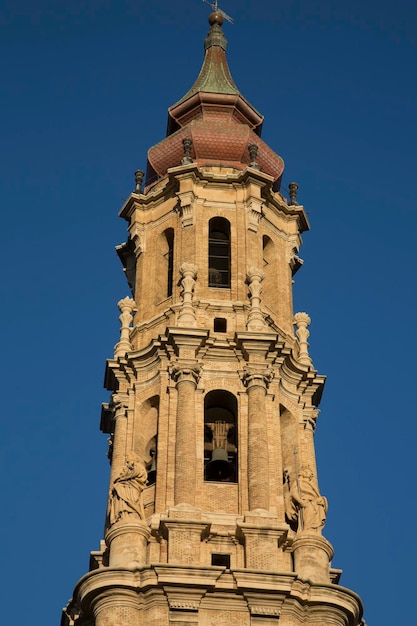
(126,493)
(303,503)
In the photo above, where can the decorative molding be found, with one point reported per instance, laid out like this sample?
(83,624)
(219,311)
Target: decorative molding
(186,207)
(254,212)
(137,235)
(310,419)
(119,404)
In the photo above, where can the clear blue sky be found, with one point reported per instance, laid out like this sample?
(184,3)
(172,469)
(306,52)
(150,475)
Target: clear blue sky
(84,90)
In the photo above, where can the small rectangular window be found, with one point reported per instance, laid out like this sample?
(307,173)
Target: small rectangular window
(220,324)
(221,560)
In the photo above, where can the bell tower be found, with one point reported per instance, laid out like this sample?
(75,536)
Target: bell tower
(215,515)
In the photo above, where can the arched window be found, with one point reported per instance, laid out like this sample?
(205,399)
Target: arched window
(267,251)
(169,256)
(220,437)
(290,462)
(269,261)
(219,252)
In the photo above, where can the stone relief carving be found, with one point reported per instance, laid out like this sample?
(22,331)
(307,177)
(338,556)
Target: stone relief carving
(126,492)
(305,508)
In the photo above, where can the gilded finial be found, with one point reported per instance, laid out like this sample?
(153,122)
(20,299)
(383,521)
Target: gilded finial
(218,16)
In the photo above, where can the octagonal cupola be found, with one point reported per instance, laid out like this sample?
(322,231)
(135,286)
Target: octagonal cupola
(213,124)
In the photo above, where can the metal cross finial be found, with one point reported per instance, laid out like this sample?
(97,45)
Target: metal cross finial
(215,6)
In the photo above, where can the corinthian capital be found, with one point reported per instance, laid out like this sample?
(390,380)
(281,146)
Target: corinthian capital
(186,372)
(253,377)
(119,404)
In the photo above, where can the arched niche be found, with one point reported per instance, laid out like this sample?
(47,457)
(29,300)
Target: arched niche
(146,433)
(269,256)
(288,428)
(164,274)
(220,437)
(219,259)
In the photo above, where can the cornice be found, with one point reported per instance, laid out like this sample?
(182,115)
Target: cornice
(291,210)
(157,194)
(266,593)
(302,377)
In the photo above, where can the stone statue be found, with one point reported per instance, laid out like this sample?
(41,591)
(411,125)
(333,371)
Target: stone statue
(126,493)
(291,512)
(303,502)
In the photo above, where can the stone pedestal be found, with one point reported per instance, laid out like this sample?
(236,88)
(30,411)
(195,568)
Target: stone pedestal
(127,544)
(184,529)
(312,556)
(262,535)
(117,609)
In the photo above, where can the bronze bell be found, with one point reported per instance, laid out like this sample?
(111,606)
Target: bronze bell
(219,468)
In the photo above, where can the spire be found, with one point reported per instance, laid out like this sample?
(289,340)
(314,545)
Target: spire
(214,85)
(214,76)
(213,124)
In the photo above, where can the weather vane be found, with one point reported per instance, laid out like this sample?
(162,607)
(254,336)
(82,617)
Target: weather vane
(215,6)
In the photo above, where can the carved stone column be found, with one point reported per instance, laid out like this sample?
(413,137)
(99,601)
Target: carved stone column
(302,320)
(309,427)
(256,320)
(128,544)
(312,556)
(186,377)
(256,382)
(119,404)
(187,315)
(126,306)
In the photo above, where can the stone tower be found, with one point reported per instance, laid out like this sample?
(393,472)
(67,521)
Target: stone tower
(214,515)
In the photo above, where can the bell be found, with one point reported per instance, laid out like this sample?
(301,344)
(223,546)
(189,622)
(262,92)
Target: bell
(219,468)
(152,473)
